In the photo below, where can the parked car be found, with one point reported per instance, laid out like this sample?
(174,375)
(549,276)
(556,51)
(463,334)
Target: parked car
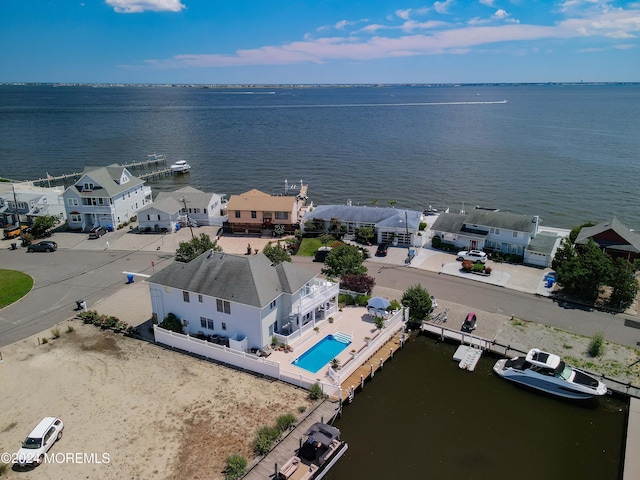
(469,324)
(39,441)
(44,246)
(382,249)
(15,231)
(476,256)
(97,232)
(321,254)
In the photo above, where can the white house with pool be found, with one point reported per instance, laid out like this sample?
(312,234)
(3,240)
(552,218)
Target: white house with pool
(242,301)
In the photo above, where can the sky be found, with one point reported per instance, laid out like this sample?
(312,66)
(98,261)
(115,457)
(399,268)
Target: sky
(319,42)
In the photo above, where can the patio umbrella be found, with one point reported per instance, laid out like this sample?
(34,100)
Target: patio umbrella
(378,303)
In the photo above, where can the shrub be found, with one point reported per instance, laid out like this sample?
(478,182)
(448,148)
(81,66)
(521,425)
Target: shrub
(236,466)
(379,321)
(302,409)
(395,305)
(315,392)
(467,265)
(478,267)
(55,332)
(596,345)
(70,328)
(44,340)
(358,283)
(487,270)
(172,322)
(422,226)
(89,316)
(362,300)
(264,439)
(346,299)
(285,422)
(436,242)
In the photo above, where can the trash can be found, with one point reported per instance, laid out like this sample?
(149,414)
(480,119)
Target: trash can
(110,228)
(177,227)
(80,304)
(14,245)
(130,278)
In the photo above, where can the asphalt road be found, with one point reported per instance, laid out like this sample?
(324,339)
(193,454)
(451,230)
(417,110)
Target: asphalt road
(494,299)
(61,278)
(65,276)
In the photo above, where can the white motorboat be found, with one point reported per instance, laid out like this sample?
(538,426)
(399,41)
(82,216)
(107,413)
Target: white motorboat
(320,451)
(549,373)
(181,166)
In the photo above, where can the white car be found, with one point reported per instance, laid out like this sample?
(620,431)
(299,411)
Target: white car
(476,256)
(39,441)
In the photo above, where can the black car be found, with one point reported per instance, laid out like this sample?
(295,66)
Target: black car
(45,246)
(97,232)
(382,250)
(469,324)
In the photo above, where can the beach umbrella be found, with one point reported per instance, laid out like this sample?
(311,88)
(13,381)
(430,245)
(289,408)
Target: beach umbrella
(378,303)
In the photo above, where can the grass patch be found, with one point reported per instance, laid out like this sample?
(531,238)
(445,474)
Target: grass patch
(567,346)
(70,328)
(596,345)
(55,333)
(309,246)
(15,285)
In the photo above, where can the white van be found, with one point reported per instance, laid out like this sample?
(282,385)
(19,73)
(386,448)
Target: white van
(39,441)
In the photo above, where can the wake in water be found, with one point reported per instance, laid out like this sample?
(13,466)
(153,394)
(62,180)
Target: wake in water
(351,105)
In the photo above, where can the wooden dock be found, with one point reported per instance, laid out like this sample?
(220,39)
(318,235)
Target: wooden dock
(355,382)
(266,467)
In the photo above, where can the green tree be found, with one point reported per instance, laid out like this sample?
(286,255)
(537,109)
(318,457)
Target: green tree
(343,260)
(575,231)
(327,239)
(43,225)
(417,298)
(582,271)
(187,251)
(276,253)
(365,235)
(624,284)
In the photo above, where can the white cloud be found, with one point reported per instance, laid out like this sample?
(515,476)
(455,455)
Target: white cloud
(488,3)
(438,38)
(139,6)
(443,7)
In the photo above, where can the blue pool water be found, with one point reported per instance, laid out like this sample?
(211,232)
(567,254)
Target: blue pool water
(320,354)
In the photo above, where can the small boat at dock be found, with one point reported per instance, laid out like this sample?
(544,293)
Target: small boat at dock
(321,450)
(549,373)
(181,166)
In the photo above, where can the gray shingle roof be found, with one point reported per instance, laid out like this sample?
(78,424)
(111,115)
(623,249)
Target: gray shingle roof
(631,239)
(543,243)
(379,216)
(246,279)
(168,205)
(106,180)
(455,222)
(195,198)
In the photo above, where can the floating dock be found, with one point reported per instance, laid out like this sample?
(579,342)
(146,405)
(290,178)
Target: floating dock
(468,357)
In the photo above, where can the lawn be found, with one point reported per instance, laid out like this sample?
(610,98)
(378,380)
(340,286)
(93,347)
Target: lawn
(13,286)
(309,246)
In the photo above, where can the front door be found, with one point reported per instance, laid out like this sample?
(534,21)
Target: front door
(474,244)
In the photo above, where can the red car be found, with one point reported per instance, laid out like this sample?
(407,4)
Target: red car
(469,324)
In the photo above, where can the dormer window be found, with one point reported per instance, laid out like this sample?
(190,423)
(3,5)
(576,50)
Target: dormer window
(87,187)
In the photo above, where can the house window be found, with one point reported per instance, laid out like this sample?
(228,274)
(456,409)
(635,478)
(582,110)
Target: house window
(237,213)
(253,214)
(223,306)
(497,231)
(205,211)
(515,234)
(282,215)
(72,201)
(273,305)
(210,324)
(199,298)
(203,322)
(88,186)
(185,296)
(76,218)
(224,326)
(149,217)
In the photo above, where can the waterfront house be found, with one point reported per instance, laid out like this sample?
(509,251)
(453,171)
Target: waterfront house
(243,299)
(614,238)
(394,225)
(104,196)
(495,231)
(24,202)
(258,212)
(184,206)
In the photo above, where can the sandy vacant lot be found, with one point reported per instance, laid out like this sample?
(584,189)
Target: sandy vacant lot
(156,413)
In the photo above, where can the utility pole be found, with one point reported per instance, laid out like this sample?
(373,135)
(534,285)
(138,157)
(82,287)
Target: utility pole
(186,212)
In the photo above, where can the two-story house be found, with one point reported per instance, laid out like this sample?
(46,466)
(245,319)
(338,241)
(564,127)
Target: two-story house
(614,238)
(24,202)
(241,297)
(495,231)
(104,196)
(255,211)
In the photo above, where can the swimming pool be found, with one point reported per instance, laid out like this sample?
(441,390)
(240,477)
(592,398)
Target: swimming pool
(321,353)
